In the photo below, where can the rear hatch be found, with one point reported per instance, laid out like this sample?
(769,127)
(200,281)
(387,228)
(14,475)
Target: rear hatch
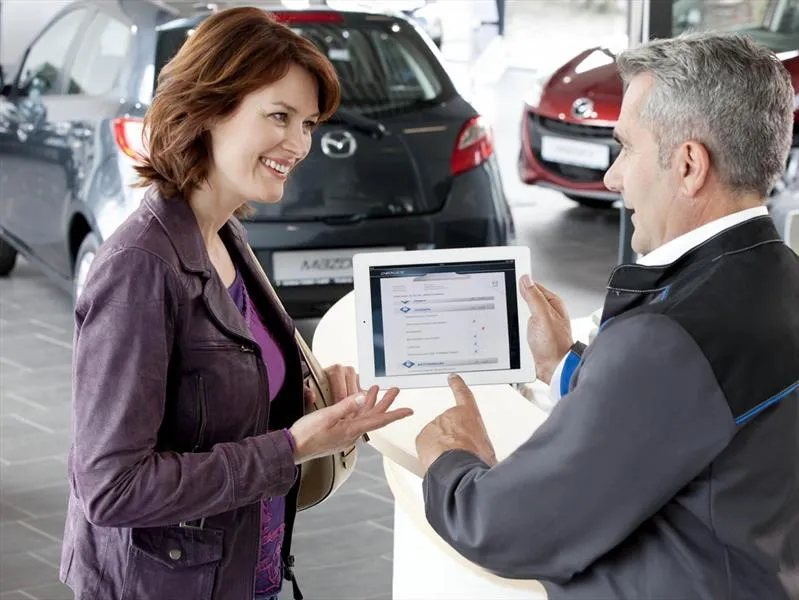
(389,150)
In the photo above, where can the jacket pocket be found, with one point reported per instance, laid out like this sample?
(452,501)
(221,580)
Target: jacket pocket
(202,409)
(172,562)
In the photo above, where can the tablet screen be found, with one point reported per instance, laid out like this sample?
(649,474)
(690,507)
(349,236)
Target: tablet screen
(444,317)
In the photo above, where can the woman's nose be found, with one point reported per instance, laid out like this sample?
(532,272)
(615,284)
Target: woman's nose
(297,141)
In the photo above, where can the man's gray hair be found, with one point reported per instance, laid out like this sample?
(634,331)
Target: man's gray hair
(725,91)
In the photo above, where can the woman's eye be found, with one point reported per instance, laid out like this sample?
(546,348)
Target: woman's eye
(310,125)
(281,117)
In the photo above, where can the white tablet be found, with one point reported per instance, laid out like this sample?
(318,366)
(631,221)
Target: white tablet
(426,313)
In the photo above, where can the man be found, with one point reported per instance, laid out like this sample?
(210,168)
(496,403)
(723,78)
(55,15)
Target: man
(670,469)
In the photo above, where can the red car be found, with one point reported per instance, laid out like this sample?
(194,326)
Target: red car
(568,118)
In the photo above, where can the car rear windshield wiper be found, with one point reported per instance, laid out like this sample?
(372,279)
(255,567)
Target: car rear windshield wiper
(359,122)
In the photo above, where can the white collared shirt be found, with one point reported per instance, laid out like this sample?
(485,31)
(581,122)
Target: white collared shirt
(667,254)
(671,251)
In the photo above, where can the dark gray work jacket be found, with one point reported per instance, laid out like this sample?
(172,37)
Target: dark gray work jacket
(670,470)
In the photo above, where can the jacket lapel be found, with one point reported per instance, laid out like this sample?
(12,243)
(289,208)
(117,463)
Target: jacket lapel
(224,312)
(259,287)
(178,221)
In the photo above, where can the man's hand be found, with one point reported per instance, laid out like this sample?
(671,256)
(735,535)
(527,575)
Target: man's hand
(337,427)
(458,428)
(549,331)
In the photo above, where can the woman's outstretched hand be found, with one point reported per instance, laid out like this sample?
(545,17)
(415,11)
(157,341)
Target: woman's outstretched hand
(337,427)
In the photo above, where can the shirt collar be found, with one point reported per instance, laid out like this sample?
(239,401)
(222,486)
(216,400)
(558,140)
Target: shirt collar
(671,251)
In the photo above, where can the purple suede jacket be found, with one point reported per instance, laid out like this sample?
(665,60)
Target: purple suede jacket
(171,457)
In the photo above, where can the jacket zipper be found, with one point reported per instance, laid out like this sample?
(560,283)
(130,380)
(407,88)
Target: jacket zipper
(263,391)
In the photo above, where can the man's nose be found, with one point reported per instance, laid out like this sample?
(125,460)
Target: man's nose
(612,180)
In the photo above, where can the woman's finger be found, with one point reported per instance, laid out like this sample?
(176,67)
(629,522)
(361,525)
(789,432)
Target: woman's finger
(352,381)
(387,400)
(349,407)
(375,421)
(338,382)
(371,400)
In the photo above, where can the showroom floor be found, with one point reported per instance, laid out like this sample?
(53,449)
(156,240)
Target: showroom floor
(344,548)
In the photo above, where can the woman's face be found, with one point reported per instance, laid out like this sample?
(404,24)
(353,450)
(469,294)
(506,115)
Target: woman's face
(256,147)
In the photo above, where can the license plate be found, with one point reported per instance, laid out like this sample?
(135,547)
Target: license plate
(573,152)
(317,267)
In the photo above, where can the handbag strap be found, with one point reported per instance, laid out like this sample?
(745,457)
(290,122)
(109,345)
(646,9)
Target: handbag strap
(316,372)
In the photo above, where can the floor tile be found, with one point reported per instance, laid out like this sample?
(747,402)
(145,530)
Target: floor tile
(21,570)
(336,545)
(29,475)
(53,591)
(18,538)
(41,502)
(354,580)
(52,525)
(9,513)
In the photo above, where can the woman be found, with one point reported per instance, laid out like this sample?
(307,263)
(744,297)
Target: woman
(188,389)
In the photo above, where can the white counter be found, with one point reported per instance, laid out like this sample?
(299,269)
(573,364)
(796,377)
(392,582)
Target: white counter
(425,567)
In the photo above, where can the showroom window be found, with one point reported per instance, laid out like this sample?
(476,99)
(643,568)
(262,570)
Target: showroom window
(100,58)
(44,63)
(773,23)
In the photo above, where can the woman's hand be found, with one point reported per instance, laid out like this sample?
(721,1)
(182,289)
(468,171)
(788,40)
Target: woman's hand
(343,381)
(336,428)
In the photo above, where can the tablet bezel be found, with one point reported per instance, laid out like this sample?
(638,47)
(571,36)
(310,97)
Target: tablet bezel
(361,264)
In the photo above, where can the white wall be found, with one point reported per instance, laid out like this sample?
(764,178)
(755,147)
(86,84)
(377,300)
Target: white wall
(20,20)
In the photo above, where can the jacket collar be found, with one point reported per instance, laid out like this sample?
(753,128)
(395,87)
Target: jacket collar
(178,221)
(634,285)
(180,224)
(738,238)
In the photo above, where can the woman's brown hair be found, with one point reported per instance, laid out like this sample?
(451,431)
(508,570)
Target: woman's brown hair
(231,54)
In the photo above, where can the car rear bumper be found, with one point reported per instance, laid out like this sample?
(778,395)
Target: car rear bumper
(569,179)
(475,214)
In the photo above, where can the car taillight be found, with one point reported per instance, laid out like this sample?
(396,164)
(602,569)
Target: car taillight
(308,16)
(129,135)
(474,146)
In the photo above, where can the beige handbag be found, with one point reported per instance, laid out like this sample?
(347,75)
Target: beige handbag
(320,477)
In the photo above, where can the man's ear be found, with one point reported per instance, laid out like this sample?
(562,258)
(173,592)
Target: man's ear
(692,165)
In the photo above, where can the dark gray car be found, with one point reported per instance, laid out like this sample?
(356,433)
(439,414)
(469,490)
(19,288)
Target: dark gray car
(406,163)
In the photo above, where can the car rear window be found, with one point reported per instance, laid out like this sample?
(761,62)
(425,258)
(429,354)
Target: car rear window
(383,65)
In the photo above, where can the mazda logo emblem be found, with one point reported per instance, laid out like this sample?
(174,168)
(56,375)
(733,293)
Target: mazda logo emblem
(339,144)
(583,108)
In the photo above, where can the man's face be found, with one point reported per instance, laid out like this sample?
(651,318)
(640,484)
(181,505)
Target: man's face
(646,188)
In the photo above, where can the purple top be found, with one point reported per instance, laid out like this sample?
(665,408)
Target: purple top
(268,574)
